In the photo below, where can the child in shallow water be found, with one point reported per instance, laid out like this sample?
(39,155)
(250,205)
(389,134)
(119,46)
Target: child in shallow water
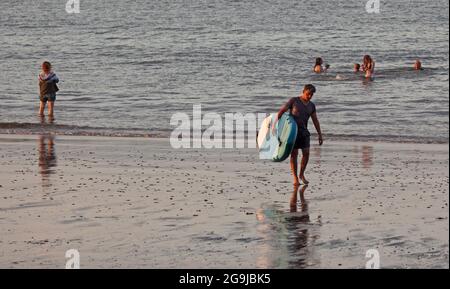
(47,88)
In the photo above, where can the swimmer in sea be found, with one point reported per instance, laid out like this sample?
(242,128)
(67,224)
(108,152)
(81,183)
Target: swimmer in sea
(356,68)
(318,67)
(418,65)
(368,66)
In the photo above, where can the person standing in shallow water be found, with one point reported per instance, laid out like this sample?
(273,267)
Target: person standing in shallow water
(301,108)
(47,88)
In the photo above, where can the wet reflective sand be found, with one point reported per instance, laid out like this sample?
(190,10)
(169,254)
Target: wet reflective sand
(137,203)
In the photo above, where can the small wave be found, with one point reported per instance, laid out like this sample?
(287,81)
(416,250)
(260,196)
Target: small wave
(388,138)
(383,73)
(62,129)
(73,130)
(79,99)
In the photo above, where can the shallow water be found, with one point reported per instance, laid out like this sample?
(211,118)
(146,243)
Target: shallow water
(127,66)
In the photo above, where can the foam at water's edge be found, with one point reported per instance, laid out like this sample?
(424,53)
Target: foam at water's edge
(71,130)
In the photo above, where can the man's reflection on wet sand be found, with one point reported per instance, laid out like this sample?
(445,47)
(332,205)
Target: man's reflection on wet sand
(317,152)
(366,152)
(294,200)
(289,237)
(367,156)
(47,158)
(299,225)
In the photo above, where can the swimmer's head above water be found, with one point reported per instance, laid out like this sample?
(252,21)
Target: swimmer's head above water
(368,66)
(356,67)
(418,65)
(318,66)
(319,61)
(367,62)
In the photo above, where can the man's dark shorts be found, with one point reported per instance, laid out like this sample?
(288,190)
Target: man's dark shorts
(46,98)
(303,140)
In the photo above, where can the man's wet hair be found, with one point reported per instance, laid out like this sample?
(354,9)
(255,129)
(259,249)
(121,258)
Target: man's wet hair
(311,88)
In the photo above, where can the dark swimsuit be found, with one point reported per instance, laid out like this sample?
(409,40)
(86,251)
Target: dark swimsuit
(301,113)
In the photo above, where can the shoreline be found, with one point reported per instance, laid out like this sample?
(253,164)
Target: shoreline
(138,203)
(158,136)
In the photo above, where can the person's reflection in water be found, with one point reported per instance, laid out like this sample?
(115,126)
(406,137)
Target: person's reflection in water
(303,202)
(367,157)
(317,150)
(298,224)
(47,158)
(289,236)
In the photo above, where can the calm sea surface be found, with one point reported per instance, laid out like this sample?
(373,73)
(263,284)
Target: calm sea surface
(127,66)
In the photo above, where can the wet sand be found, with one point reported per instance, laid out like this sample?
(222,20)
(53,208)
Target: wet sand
(136,203)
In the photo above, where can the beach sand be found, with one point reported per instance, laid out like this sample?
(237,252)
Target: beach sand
(137,203)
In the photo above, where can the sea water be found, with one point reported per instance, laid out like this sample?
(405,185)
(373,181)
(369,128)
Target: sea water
(127,66)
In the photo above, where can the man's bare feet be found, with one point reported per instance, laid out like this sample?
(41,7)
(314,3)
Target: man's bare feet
(304,180)
(296,182)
